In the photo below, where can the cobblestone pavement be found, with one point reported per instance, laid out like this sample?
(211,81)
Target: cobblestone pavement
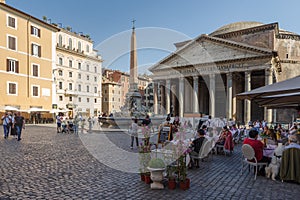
(47,165)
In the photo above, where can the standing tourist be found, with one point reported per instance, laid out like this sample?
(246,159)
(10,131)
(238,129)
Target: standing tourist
(6,121)
(58,123)
(19,124)
(133,130)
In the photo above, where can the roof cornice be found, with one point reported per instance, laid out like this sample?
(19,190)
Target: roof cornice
(255,29)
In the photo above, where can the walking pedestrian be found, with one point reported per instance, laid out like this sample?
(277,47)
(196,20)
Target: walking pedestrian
(19,124)
(6,121)
(58,123)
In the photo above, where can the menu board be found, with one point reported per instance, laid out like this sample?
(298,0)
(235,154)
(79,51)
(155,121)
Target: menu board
(165,133)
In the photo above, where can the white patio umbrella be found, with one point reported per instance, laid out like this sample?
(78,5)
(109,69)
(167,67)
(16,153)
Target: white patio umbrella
(10,108)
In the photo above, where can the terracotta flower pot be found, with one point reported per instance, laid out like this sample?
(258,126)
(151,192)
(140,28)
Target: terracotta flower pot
(171,184)
(147,178)
(184,185)
(142,177)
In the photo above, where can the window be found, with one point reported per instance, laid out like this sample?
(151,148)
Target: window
(60,72)
(79,99)
(35,31)
(87,48)
(35,70)
(79,88)
(60,61)
(70,99)
(95,78)
(95,100)
(95,89)
(12,65)
(79,76)
(11,22)
(79,65)
(88,100)
(113,91)
(60,98)
(88,88)
(12,88)
(70,43)
(70,63)
(113,99)
(35,91)
(70,86)
(87,68)
(79,46)
(35,50)
(87,77)
(60,41)
(95,69)
(60,85)
(12,43)
(70,74)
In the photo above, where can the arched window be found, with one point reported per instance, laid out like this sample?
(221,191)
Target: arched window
(70,43)
(79,46)
(60,41)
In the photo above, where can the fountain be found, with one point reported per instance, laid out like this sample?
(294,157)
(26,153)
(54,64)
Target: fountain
(133,107)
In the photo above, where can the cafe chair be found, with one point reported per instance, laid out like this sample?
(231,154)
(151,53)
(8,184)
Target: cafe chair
(248,157)
(203,153)
(290,165)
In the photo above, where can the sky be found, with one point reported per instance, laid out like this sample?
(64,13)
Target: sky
(159,23)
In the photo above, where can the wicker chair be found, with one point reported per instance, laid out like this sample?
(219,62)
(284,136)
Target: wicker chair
(249,154)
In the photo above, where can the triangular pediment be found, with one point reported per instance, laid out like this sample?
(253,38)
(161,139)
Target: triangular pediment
(206,49)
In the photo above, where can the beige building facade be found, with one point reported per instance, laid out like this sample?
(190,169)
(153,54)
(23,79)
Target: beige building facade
(204,75)
(27,54)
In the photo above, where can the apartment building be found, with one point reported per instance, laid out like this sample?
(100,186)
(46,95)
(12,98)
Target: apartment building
(77,75)
(27,54)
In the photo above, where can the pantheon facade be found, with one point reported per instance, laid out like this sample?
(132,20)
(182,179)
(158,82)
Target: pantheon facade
(205,74)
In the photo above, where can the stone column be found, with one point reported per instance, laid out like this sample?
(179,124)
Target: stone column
(155,91)
(229,96)
(247,108)
(180,94)
(212,91)
(162,99)
(174,102)
(167,90)
(268,80)
(195,94)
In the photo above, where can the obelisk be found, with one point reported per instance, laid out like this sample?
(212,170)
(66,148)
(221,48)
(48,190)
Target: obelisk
(133,97)
(133,80)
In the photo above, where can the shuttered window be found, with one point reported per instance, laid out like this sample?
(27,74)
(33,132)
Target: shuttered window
(11,22)
(35,70)
(12,88)
(35,91)
(12,65)
(35,31)
(36,50)
(12,43)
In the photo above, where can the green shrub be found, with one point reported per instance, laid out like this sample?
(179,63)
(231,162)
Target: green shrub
(156,163)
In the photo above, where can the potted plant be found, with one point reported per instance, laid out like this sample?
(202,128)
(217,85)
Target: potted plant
(171,177)
(156,167)
(144,158)
(182,150)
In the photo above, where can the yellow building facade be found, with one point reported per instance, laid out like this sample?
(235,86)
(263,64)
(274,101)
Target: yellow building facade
(27,56)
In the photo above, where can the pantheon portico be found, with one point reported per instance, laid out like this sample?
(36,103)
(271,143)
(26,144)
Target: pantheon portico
(205,74)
